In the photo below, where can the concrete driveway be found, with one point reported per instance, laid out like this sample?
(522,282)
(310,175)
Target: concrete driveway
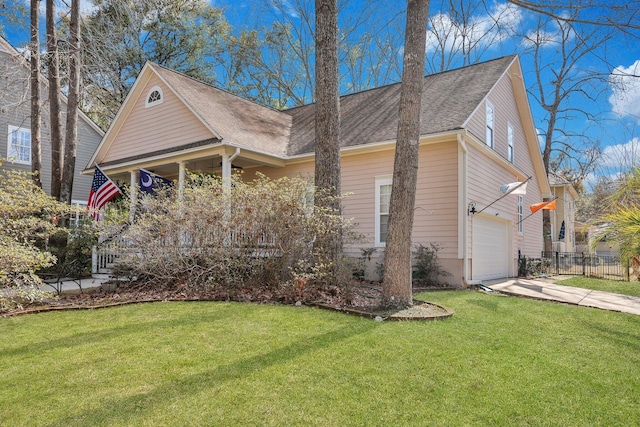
(544,290)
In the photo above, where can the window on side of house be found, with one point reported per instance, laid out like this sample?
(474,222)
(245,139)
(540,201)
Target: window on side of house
(520,214)
(77,213)
(510,142)
(19,145)
(383,196)
(154,97)
(490,120)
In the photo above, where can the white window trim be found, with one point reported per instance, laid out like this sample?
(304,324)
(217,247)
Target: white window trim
(490,141)
(159,101)
(520,215)
(380,181)
(12,131)
(511,155)
(78,212)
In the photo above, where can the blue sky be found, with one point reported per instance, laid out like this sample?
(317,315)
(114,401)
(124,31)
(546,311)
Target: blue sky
(615,116)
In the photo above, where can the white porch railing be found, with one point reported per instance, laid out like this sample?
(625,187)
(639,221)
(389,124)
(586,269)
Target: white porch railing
(105,254)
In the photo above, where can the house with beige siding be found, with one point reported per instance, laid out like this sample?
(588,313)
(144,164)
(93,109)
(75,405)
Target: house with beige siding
(563,227)
(476,131)
(15,125)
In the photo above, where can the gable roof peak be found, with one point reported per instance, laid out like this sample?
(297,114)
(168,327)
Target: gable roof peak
(154,65)
(231,119)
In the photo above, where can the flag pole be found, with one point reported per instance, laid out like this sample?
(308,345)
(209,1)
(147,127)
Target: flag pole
(503,196)
(546,204)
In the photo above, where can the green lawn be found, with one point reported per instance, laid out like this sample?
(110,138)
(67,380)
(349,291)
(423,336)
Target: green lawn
(498,361)
(616,286)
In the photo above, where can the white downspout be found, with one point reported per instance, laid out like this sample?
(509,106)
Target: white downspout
(465,206)
(236,154)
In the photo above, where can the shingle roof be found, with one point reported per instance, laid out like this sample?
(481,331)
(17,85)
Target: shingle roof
(448,99)
(557,179)
(235,120)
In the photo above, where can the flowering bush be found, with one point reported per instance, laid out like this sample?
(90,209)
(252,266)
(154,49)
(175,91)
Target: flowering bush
(28,218)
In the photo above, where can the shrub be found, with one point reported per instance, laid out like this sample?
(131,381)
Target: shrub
(73,250)
(360,266)
(28,218)
(244,234)
(533,266)
(18,296)
(427,270)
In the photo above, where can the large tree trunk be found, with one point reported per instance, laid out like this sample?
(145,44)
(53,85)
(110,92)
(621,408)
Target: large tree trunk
(36,97)
(396,291)
(327,123)
(57,154)
(71,139)
(547,238)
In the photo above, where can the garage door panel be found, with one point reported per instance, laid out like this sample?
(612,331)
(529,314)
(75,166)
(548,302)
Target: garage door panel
(490,248)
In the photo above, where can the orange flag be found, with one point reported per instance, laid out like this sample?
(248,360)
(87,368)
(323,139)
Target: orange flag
(543,205)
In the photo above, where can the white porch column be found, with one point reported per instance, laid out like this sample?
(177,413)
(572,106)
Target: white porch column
(181,179)
(133,196)
(226,172)
(182,174)
(226,168)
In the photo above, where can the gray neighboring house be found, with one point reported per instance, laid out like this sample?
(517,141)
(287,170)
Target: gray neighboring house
(15,125)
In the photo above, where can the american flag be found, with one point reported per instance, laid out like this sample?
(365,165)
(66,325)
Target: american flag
(102,190)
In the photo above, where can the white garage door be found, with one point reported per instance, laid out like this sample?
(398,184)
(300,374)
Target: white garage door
(490,246)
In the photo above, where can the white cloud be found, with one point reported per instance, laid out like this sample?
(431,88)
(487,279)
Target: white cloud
(541,38)
(550,33)
(625,87)
(622,156)
(285,7)
(86,7)
(445,34)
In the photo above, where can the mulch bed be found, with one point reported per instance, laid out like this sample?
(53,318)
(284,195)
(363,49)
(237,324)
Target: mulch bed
(362,299)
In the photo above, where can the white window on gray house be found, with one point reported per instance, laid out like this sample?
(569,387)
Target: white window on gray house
(154,97)
(489,137)
(520,214)
(510,142)
(77,213)
(383,196)
(19,145)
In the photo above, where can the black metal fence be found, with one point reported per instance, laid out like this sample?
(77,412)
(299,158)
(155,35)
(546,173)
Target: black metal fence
(577,264)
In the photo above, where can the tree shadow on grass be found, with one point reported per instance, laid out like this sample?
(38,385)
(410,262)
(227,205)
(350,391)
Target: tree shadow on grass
(40,348)
(125,409)
(618,337)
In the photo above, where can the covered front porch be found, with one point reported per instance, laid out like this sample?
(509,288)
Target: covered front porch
(212,159)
